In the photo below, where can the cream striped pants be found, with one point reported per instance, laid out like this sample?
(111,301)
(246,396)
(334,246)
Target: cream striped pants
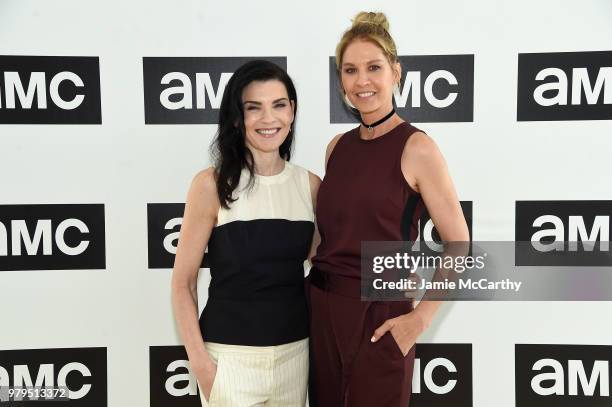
(253,376)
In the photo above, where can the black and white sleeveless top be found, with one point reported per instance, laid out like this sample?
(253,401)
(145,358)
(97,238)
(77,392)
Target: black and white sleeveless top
(256,254)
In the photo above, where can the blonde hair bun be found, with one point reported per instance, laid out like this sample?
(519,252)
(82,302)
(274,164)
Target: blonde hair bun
(372,27)
(369,17)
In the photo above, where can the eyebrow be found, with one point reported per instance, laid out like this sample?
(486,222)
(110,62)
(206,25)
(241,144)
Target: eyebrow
(369,62)
(259,103)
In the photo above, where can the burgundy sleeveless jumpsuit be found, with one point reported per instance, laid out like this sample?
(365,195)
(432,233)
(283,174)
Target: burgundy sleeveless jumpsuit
(364,196)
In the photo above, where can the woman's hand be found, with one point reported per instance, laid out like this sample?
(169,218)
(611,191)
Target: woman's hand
(205,373)
(405,330)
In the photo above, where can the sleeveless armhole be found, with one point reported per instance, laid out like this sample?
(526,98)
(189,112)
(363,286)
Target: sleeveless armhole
(336,147)
(219,211)
(414,205)
(307,190)
(223,215)
(400,162)
(221,219)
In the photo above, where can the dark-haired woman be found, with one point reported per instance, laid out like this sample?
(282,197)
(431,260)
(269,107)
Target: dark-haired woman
(254,212)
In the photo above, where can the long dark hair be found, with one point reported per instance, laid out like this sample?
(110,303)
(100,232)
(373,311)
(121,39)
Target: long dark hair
(229,150)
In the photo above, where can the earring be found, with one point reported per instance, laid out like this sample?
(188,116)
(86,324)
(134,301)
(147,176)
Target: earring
(348,102)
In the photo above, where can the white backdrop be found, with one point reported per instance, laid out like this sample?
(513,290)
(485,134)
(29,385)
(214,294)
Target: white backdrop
(126,164)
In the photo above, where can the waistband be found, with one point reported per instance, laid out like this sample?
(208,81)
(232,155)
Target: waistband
(250,350)
(352,287)
(336,284)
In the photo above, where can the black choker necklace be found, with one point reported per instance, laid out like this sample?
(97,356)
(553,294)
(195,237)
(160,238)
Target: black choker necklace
(370,127)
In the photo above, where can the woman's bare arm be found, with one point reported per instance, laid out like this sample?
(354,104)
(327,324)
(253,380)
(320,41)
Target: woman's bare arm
(426,171)
(199,219)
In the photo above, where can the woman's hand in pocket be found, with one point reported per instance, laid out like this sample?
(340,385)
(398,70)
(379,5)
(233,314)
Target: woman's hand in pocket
(405,330)
(205,371)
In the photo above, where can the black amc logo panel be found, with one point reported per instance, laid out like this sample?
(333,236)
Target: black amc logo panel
(163,227)
(82,370)
(539,224)
(49,90)
(433,88)
(188,90)
(565,86)
(562,375)
(442,375)
(52,237)
(171,383)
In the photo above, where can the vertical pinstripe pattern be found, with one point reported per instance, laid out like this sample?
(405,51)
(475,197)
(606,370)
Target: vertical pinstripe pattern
(254,376)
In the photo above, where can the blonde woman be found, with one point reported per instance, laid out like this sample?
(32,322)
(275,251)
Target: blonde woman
(379,177)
